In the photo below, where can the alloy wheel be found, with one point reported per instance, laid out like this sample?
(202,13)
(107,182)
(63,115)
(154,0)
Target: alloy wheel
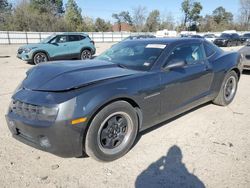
(230,88)
(40,58)
(114,132)
(86,54)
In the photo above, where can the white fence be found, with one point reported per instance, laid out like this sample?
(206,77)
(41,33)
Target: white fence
(16,37)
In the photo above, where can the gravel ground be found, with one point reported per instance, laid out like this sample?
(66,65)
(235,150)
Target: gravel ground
(208,146)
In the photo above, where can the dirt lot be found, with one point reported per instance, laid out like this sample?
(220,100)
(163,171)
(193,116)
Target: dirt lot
(209,146)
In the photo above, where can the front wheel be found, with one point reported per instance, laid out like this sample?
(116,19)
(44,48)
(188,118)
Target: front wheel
(86,54)
(40,57)
(112,132)
(228,89)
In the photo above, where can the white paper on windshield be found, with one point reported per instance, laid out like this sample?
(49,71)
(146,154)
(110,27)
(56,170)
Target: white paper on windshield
(159,46)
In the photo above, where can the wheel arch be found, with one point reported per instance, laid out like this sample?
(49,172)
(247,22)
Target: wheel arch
(132,102)
(237,72)
(87,48)
(38,51)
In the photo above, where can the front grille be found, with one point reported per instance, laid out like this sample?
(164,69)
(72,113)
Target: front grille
(26,110)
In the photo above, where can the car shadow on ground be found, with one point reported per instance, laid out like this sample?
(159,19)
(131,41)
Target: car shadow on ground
(164,123)
(168,171)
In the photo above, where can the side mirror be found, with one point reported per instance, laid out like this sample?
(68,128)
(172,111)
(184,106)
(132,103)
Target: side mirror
(175,64)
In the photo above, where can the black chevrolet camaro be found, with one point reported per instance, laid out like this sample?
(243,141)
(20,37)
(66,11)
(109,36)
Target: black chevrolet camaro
(98,106)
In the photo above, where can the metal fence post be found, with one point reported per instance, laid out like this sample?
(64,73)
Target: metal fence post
(40,36)
(102,37)
(8,35)
(26,37)
(112,36)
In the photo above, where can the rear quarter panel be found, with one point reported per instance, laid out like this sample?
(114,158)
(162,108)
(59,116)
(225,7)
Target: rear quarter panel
(222,64)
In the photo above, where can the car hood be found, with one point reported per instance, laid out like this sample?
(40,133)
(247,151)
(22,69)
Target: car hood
(245,50)
(31,46)
(68,75)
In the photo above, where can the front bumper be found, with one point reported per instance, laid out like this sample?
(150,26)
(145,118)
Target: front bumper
(25,56)
(59,138)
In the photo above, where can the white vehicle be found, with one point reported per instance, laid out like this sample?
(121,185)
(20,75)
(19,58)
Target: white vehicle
(210,37)
(187,33)
(230,31)
(165,33)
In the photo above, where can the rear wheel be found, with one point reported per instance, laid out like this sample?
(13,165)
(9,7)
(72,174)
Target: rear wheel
(112,132)
(40,57)
(228,89)
(86,54)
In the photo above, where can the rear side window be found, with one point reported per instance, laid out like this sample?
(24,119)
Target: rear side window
(209,51)
(73,38)
(81,37)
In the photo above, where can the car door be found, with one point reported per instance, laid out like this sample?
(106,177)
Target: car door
(75,44)
(185,85)
(59,47)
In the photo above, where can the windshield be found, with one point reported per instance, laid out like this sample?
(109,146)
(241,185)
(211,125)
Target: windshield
(247,35)
(133,55)
(46,40)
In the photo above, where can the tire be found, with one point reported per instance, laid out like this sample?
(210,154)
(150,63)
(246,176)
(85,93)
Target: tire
(102,137)
(228,89)
(85,54)
(40,57)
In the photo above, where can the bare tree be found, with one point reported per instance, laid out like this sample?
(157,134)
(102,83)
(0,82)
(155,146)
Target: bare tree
(167,21)
(245,13)
(139,17)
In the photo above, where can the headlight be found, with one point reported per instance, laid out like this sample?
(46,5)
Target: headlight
(34,112)
(47,114)
(27,50)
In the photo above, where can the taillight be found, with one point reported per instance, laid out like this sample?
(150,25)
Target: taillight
(92,42)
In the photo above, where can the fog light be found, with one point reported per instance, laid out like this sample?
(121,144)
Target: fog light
(44,142)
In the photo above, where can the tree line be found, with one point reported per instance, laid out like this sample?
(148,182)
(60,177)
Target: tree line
(53,16)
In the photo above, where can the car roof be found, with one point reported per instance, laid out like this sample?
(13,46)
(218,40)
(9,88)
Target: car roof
(167,40)
(72,33)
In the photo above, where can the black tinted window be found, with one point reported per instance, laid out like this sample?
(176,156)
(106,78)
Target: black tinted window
(81,37)
(74,38)
(189,53)
(209,49)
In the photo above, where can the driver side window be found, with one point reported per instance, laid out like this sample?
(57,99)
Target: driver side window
(191,54)
(59,39)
